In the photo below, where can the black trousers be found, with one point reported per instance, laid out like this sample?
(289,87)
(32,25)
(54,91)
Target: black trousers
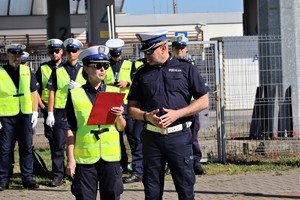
(105,175)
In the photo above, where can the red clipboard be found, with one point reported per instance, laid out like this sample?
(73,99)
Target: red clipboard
(104,101)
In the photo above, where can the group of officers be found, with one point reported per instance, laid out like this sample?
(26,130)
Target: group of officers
(158,116)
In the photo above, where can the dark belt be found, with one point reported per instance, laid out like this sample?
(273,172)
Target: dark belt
(97,132)
(18,95)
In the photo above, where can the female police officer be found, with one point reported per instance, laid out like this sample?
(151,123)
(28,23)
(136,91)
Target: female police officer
(93,158)
(161,95)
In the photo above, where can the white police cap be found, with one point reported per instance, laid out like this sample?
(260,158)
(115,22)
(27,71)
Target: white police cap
(15,48)
(115,46)
(149,39)
(94,54)
(24,56)
(179,40)
(72,43)
(53,43)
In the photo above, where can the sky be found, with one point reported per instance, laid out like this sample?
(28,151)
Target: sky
(137,7)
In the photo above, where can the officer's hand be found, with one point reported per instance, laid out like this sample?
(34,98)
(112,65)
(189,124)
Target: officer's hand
(122,84)
(34,118)
(72,85)
(45,110)
(168,118)
(0,125)
(50,119)
(153,118)
(70,170)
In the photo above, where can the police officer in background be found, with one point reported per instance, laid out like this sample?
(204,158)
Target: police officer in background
(24,58)
(119,75)
(43,74)
(161,95)
(179,50)
(90,166)
(62,80)
(18,115)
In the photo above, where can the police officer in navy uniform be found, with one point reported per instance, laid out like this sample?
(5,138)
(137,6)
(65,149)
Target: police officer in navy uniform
(43,74)
(89,165)
(65,78)
(179,50)
(161,94)
(120,75)
(18,116)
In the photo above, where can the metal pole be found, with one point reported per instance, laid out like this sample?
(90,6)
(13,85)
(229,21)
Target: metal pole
(174,6)
(112,21)
(108,19)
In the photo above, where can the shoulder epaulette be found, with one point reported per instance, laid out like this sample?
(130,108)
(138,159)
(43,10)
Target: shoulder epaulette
(184,60)
(62,63)
(141,66)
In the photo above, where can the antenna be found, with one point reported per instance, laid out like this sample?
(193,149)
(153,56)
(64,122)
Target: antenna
(174,6)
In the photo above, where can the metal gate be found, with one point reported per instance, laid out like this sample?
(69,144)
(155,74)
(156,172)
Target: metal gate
(205,55)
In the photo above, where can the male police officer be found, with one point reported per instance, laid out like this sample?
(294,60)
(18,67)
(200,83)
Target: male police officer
(18,115)
(179,50)
(43,74)
(63,79)
(161,95)
(120,75)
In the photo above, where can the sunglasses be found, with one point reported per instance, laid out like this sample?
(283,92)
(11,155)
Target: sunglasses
(72,50)
(151,51)
(54,51)
(99,65)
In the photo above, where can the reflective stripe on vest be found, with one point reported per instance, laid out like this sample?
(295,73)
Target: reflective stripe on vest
(124,75)
(63,79)
(12,101)
(138,64)
(88,149)
(46,73)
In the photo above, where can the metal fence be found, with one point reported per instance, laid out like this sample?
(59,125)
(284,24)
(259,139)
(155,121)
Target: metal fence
(249,112)
(257,112)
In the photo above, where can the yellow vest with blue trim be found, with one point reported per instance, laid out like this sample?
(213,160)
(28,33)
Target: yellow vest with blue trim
(63,79)
(46,73)
(124,75)
(87,149)
(12,100)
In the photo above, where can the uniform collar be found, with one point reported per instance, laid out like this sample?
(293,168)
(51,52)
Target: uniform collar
(91,89)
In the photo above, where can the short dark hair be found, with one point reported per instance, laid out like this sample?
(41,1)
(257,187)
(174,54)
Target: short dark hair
(84,74)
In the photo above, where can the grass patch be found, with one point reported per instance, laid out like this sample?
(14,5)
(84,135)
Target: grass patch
(238,165)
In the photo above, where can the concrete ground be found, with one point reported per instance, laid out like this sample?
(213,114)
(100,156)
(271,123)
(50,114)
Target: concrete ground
(283,185)
(269,185)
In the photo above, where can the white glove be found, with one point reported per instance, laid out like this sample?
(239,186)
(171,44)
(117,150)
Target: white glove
(50,119)
(72,85)
(0,125)
(34,118)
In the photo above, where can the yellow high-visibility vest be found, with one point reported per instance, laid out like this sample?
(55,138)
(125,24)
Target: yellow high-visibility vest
(63,79)
(46,73)
(124,75)
(88,149)
(13,101)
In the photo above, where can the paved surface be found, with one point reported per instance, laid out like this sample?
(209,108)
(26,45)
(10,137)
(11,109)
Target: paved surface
(270,185)
(284,185)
